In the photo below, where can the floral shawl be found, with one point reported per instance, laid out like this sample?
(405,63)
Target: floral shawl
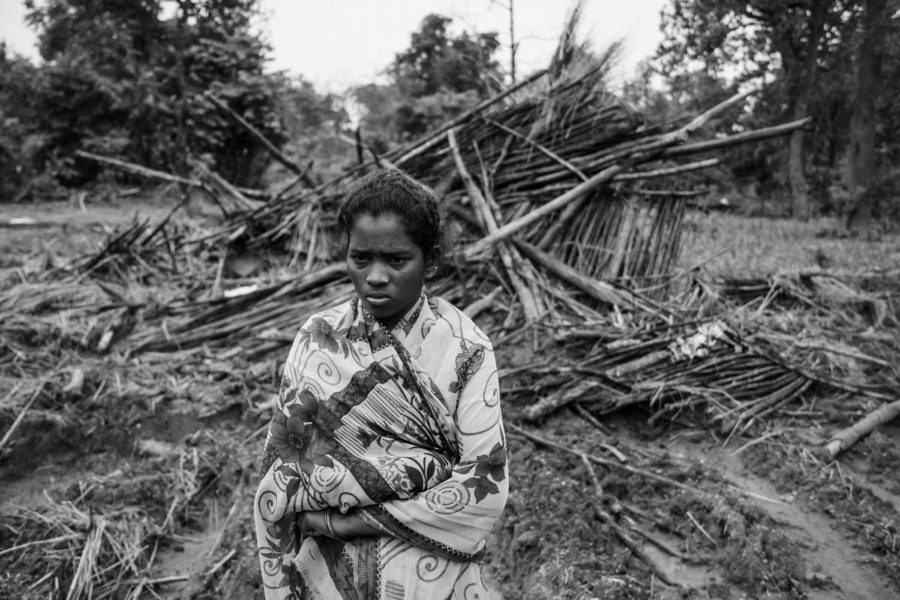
(402,426)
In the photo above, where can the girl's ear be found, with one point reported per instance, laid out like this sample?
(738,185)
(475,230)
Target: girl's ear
(432,260)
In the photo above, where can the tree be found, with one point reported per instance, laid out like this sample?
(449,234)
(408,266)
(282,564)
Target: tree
(436,62)
(509,6)
(790,44)
(862,167)
(20,145)
(122,79)
(439,76)
(314,124)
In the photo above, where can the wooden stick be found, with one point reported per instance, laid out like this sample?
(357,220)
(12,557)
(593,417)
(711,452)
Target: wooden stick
(154,174)
(700,527)
(734,140)
(137,169)
(652,146)
(62,538)
(474,309)
(21,416)
(560,398)
(846,438)
(637,364)
(259,137)
(620,532)
(700,164)
(597,289)
(217,180)
(222,562)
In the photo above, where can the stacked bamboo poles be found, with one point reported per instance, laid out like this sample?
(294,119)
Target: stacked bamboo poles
(633,238)
(241,321)
(681,368)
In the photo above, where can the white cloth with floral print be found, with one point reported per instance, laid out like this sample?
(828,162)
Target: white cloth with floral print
(402,426)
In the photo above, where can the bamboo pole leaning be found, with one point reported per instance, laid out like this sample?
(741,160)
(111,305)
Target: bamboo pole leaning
(149,173)
(262,140)
(526,296)
(595,288)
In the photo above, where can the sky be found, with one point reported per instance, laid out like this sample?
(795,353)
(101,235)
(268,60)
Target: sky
(338,43)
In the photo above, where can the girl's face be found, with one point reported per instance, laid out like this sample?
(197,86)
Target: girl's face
(386,267)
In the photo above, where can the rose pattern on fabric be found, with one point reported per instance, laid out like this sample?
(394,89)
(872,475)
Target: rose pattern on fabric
(293,435)
(321,334)
(489,470)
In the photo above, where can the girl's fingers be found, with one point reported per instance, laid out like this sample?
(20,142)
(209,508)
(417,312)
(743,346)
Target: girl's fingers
(305,524)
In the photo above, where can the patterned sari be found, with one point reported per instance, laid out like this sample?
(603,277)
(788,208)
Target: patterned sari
(401,426)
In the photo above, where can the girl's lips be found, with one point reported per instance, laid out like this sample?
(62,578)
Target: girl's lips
(378,300)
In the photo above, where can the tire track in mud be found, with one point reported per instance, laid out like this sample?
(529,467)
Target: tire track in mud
(830,554)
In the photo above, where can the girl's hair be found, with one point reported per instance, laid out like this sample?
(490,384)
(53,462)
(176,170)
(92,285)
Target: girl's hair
(390,191)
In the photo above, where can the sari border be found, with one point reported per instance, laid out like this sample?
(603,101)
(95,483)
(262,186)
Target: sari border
(379,517)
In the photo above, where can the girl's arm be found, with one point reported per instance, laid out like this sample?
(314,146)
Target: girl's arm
(344,527)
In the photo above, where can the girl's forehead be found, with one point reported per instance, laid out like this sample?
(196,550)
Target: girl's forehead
(383,230)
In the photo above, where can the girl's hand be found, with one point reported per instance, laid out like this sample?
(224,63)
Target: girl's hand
(313,523)
(344,527)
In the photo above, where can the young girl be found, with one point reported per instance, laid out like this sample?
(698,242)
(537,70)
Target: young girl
(385,464)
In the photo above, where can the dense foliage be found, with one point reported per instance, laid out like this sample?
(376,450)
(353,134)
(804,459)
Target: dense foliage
(128,79)
(812,56)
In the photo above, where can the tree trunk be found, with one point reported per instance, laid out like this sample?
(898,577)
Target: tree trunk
(799,189)
(804,84)
(512,44)
(861,165)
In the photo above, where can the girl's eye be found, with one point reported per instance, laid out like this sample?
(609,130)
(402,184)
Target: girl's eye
(360,261)
(397,261)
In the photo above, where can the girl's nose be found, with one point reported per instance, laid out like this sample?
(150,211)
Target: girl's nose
(377,276)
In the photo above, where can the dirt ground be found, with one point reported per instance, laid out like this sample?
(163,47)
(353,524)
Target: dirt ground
(759,515)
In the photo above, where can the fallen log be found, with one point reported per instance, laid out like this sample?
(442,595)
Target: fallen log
(846,438)
(562,397)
